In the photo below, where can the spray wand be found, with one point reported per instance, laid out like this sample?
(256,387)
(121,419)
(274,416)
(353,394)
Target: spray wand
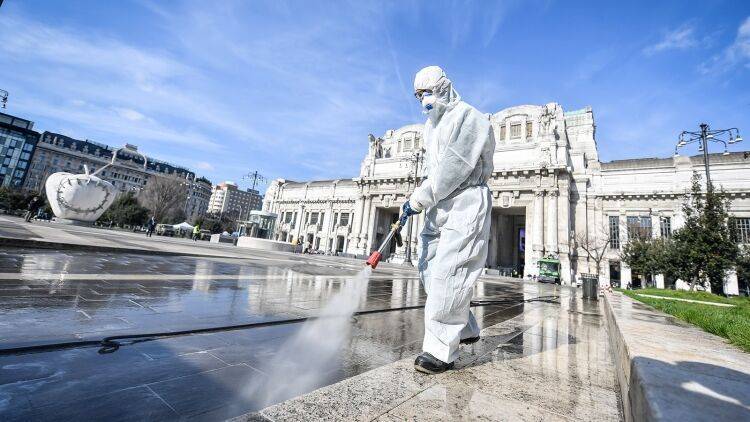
(395,232)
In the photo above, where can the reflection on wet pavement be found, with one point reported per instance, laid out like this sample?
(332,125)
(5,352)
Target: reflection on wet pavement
(50,297)
(551,362)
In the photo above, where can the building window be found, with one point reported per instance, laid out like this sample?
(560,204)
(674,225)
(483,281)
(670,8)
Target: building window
(666,227)
(741,230)
(313,218)
(528,130)
(639,227)
(515,131)
(502,132)
(407,144)
(344,221)
(614,232)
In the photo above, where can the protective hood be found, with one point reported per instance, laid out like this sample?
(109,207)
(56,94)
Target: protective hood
(433,78)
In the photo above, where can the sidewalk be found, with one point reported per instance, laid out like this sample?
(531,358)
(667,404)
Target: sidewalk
(552,362)
(670,370)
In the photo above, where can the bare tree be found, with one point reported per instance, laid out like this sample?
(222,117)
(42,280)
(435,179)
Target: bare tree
(164,196)
(595,244)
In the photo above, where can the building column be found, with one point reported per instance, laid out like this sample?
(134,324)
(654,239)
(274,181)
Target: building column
(537,229)
(373,217)
(529,260)
(357,218)
(330,246)
(493,242)
(564,236)
(731,285)
(626,277)
(552,246)
(298,223)
(363,235)
(659,281)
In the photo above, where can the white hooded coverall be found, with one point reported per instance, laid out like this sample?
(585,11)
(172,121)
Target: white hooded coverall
(459,148)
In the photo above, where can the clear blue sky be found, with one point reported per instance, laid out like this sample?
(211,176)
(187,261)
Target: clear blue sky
(293,88)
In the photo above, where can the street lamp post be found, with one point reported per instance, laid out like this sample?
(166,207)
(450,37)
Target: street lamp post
(416,159)
(705,135)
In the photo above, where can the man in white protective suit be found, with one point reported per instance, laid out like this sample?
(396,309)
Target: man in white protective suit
(458,162)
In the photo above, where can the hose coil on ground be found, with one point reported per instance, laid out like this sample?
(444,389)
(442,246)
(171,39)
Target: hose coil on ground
(113,343)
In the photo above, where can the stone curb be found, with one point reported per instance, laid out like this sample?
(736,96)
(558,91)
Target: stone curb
(621,358)
(670,370)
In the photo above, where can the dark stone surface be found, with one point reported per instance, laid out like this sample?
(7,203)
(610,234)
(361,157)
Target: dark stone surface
(63,296)
(133,404)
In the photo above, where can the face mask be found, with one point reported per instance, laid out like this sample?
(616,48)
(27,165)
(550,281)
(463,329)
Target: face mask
(428,102)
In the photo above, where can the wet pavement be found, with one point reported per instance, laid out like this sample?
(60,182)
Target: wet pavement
(553,362)
(49,297)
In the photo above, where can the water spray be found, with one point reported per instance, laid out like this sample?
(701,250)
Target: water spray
(395,232)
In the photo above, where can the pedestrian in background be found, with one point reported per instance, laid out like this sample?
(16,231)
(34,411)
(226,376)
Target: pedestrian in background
(196,232)
(150,226)
(32,207)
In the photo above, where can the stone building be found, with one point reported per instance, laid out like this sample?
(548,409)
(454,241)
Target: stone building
(228,199)
(550,193)
(56,152)
(198,197)
(17,143)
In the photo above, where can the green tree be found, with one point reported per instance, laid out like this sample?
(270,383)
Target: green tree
(743,265)
(703,249)
(636,253)
(14,199)
(720,248)
(125,211)
(648,256)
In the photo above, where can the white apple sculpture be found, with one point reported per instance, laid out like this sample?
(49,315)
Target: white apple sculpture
(81,197)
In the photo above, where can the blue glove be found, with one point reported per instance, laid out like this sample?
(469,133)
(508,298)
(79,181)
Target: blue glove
(406,212)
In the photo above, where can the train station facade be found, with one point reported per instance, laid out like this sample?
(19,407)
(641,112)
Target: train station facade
(551,193)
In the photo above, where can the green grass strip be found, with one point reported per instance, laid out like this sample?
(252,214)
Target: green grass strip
(731,323)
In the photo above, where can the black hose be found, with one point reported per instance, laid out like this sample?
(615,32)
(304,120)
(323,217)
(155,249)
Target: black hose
(112,343)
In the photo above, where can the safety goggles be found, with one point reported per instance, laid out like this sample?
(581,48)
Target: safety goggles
(420,93)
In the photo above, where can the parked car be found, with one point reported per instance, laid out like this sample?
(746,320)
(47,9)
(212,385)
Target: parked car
(165,230)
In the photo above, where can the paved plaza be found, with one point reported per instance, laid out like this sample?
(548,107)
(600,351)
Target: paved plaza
(85,284)
(58,296)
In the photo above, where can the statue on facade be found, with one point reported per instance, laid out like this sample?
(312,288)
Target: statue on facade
(376,146)
(545,120)
(82,197)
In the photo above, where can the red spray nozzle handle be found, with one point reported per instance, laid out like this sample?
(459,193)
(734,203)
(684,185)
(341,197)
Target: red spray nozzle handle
(374,259)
